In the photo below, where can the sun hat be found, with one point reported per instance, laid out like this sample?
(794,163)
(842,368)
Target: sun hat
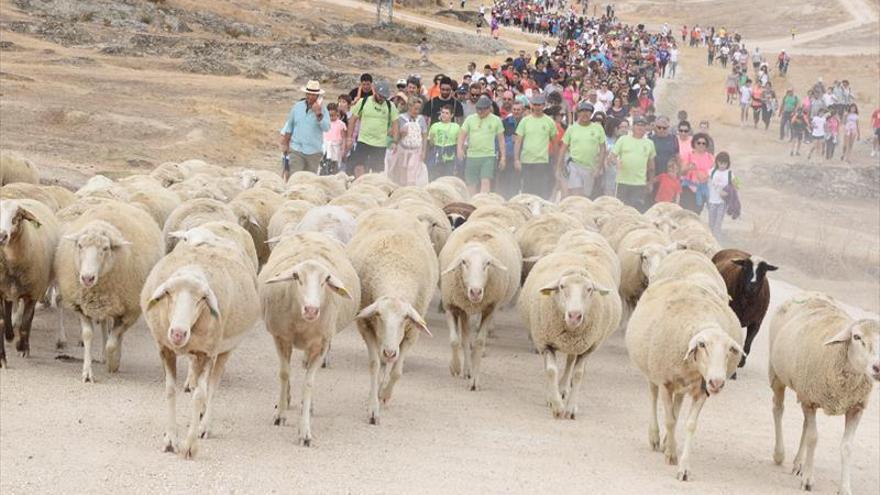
(313,88)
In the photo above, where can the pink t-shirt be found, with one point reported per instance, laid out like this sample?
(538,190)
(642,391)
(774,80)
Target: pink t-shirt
(334,135)
(685,148)
(704,163)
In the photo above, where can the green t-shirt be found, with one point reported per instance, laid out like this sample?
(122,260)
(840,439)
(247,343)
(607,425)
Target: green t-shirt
(481,134)
(536,133)
(633,155)
(789,103)
(442,134)
(374,121)
(584,143)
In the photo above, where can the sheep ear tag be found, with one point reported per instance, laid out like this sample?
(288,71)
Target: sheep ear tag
(546,291)
(336,286)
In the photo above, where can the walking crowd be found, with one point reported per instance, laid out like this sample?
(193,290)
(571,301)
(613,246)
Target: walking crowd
(575,119)
(826,118)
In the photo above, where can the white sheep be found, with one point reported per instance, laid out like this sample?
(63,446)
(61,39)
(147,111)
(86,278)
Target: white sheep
(355,202)
(376,180)
(590,244)
(193,213)
(289,213)
(536,204)
(102,262)
(445,192)
(399,274)
(831,361)
(410,192)
(167,173)
(432,218)
(505,216)
(640,253)
(686,264)
(481,272)
(23,190)
(220,234)
(191,168)
(254,208)
(198,303)
(28,237)
(378,193)
(487,199)
(570,305)
(331,185)
(14,168)
(261,178)
(158,202)
(685,340)
(306,192)
(309,291)
(459,185)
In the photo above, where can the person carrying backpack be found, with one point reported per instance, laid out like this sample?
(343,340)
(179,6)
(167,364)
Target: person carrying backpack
(378,121)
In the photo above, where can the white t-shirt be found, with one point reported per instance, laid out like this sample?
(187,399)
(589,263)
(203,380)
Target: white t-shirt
(745,95)
(605,97)
(828,99)
(818,126)
(673,55)
(717,183)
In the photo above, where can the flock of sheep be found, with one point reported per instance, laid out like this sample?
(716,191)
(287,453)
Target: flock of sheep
(205,253)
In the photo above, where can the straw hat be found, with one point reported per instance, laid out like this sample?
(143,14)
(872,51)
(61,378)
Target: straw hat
(313,88)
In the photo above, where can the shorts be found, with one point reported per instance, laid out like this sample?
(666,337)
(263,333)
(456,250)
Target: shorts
(731,91)
(581,177)
(877,132)
(300,161)
(477,168)
(371,157)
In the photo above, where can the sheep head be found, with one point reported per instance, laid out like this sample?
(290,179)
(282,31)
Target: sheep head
(200,236)
(573,294)
(190,300)
(248,179)
(390,317)
(652,255)
(12,217)
(312,280)
(97,246)
(862,339)
(473,264)
(714,355)
(753,271)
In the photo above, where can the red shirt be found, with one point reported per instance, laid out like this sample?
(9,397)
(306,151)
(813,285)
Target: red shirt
(875,119)
(668,187)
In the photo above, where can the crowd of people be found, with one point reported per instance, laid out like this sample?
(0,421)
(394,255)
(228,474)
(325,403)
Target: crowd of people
(575,118)
(825,118)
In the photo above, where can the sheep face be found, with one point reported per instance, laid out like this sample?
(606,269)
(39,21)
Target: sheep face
(473,265)
(190,301)
(311,282)
(715,356)
(248,179)
(199,236)
(666,225)
(12,217)
(754,270)
(651,255)
(97,248)
(573,295)
(389,318)
(862,339)
(456,220)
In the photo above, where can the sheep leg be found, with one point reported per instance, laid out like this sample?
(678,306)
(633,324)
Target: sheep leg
(778,408)
(811,440)
(684,465)
(190,446)
(486,320)
(216,373)
(551,374)
(751,333)
(571,405)
(169,362)
(315,358)
(113,348)
(61,343)
(454,341)
(373,354)
(8,321)
(565,381)
(190,383)
(326,362)
(798,464)
(23,346)
(284,350)
(852,422)
(677,401)
(396,371)
(671,449)
(88,330)
(465,328)
(102,356)
(654,425)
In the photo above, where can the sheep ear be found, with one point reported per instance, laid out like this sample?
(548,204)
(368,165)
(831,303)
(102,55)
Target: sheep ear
(71,237)
(738,348)
(178,234)
(213,304)
(497,264)
(452,266)
(118,243)
(601,290)
(692,346)
(274,240)
(844,336)
(336,285)
(413,316)
(282,277)
(158,294)
(26,215)
(770,268)
(253,221)
(550,289)
(367,312)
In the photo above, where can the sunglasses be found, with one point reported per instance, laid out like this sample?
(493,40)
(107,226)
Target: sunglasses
(703,143)
(684,131)
(661,127)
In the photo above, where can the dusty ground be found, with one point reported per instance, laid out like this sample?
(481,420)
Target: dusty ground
(80,108)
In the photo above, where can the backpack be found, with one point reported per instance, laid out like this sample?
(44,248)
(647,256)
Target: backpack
(360,111)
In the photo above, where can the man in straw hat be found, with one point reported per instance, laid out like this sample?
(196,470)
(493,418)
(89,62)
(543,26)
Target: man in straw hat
(302,136)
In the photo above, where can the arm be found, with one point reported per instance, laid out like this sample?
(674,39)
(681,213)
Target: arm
(323,119)
(561,156)
(349,139)
(650,169)
(462,135)
(517,147)
(501,150)
(285,142)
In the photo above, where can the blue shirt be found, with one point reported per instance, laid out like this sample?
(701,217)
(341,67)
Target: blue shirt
(307,133)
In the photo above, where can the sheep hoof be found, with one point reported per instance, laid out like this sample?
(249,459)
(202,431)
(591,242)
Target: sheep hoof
(683,475)
(186,389)
(807,485)
(473,387)
(671,459)
(60,345)
(733,376)
(742,362)
(374,420)
(455,369)
(3,362)
(188,453)
(279,420)
(655,444)
(205,433)
(797,469)
(778,457)
(169,447)
(306,442)
(87,377)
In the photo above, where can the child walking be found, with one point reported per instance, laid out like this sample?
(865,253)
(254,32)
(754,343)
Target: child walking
(334,141)
(668,184)
(443,137)
(719,180)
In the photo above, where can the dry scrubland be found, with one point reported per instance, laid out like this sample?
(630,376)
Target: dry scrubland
(120,90)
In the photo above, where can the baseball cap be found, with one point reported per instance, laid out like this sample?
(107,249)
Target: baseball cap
(538,99)
(401,82)
(383,90)
(483,103)
(640,121)
(585,106)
